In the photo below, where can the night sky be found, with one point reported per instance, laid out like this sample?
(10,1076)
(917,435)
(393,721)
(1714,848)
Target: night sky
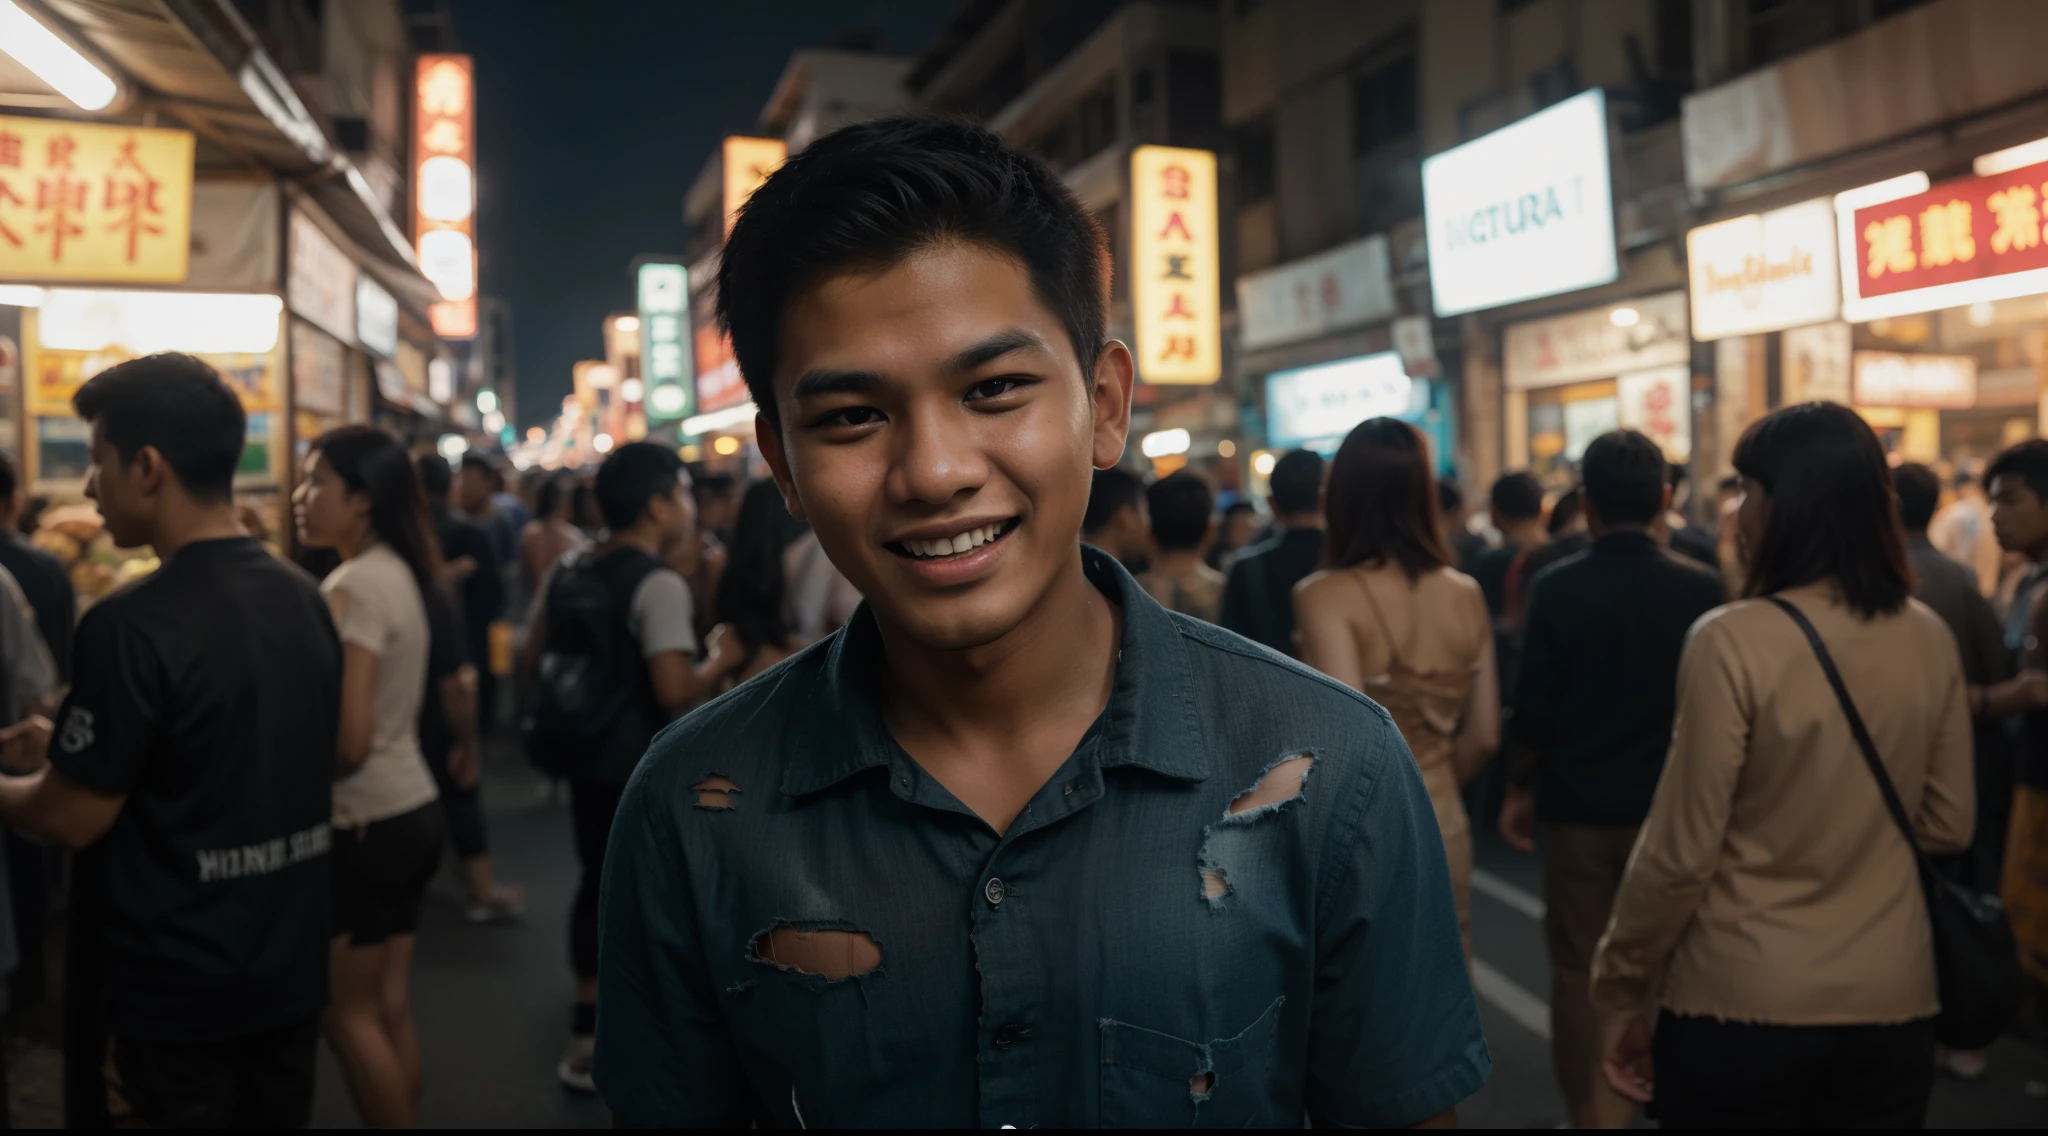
(591,121)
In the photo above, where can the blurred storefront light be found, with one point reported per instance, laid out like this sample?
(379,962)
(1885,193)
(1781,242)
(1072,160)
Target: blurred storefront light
(2011,158)
(602,443)
(725,445)
(1226,448)
(1263,463)
(1624,317)
(632,390)
(716,420)
(1160,443)
(452,446)
(486,401)
(200,323)
(52,60)
(22,295)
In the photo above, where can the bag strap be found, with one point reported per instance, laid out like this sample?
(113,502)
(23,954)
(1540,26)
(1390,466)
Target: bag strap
(1863,742)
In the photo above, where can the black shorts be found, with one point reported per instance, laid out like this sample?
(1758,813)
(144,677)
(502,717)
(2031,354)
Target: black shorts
(380,873)
(261,1081)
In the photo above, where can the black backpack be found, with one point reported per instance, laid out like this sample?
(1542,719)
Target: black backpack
(587,677)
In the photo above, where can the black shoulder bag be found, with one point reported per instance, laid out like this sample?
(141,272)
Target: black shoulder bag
(1976,962)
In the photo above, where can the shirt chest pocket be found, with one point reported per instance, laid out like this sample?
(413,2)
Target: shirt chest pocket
(1156,1080)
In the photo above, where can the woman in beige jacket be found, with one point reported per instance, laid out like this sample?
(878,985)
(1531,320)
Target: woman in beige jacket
(1771,915)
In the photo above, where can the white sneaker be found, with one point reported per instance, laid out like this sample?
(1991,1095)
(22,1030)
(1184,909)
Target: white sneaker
(1963,1064)
(574,1071)
(504,905)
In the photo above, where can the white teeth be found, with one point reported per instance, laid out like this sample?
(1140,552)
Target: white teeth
(954,545)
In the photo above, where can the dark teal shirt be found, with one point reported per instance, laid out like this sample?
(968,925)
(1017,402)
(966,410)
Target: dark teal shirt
(1128,953)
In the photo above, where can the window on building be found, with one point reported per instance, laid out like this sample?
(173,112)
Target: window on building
(1383,105)
(1256,179)
(1095,122)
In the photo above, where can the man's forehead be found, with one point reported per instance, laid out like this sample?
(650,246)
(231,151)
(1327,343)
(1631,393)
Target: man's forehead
(919,312)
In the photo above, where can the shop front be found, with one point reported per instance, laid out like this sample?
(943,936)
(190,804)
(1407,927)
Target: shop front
(1571,378)
(1567,330)
(1924,306)
(1325,348)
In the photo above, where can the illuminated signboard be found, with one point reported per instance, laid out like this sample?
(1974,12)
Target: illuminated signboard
(89,203)
(1764,272)
(1525,211)
(1979,238)
(1176,297)
(1891,378)
(1317,406)
(664,290)
(748,162)
(444,188)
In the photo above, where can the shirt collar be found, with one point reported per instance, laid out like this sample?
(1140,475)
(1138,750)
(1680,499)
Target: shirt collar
(1625,541)
(1151,721)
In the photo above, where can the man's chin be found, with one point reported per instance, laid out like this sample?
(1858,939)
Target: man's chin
(935,628)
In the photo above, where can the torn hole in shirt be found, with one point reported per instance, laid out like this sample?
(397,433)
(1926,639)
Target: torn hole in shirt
(829,952)
(1279,785)
(717,792)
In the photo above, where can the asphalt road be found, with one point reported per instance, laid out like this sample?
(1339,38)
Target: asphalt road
(493,1002)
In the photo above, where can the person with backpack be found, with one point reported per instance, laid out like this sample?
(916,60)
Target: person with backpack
(1772,917)
(613,650)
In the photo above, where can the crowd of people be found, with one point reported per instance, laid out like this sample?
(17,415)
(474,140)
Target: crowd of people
(1210,774)
(1716,860)
(260,763)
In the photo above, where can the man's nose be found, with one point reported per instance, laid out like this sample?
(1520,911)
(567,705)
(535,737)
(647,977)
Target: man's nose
(936,460)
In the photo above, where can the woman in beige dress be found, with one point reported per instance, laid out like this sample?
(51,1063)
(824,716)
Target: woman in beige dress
(1392,619)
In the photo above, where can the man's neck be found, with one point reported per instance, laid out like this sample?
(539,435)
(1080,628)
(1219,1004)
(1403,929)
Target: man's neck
(1523,533)
(1060,658)
(1297,522)
(642,537)
(1598,531)
(1177,562)
(189,523)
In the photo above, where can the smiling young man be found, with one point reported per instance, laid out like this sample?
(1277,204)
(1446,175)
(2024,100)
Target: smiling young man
(1016,846)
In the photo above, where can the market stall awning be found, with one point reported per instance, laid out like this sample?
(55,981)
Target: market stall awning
(200,62)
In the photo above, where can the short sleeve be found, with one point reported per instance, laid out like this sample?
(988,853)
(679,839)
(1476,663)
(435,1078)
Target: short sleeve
(663,615)
(365,616)
(1395,1036)
(664,1059)
(108,725)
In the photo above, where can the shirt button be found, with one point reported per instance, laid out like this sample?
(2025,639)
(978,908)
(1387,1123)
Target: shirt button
(993,892)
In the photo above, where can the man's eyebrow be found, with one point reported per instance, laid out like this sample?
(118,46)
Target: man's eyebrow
(822,381)
(995,347)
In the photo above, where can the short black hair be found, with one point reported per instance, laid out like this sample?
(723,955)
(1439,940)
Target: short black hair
(180,406)
(630,477)
(1624,474)
(1517,496)
(1833,513)
(1296,483)
(484,465)
(1182,505)
(1449,498)
(1113,490)
(869,195)
(435,476)
(1919,490)
(2027,461)
(8,481)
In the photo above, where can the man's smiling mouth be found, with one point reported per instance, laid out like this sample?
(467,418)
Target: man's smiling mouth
(957,544)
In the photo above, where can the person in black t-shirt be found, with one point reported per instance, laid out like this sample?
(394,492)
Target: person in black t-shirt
(196,746)
(1258,597)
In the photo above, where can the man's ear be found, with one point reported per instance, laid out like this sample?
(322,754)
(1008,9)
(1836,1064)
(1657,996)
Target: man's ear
(1109,390)
(148,471)
(768,438)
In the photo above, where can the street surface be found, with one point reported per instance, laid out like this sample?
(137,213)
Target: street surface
(493,1002)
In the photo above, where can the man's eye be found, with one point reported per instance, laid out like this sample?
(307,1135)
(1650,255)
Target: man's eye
(996,388)
(849,416)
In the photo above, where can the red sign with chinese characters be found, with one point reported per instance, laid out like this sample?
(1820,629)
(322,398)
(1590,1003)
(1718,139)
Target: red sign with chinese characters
(1963,230)
(86,203)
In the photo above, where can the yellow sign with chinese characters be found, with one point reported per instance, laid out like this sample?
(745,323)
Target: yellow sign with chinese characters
(748,162)
(86,203)
(1176,286)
